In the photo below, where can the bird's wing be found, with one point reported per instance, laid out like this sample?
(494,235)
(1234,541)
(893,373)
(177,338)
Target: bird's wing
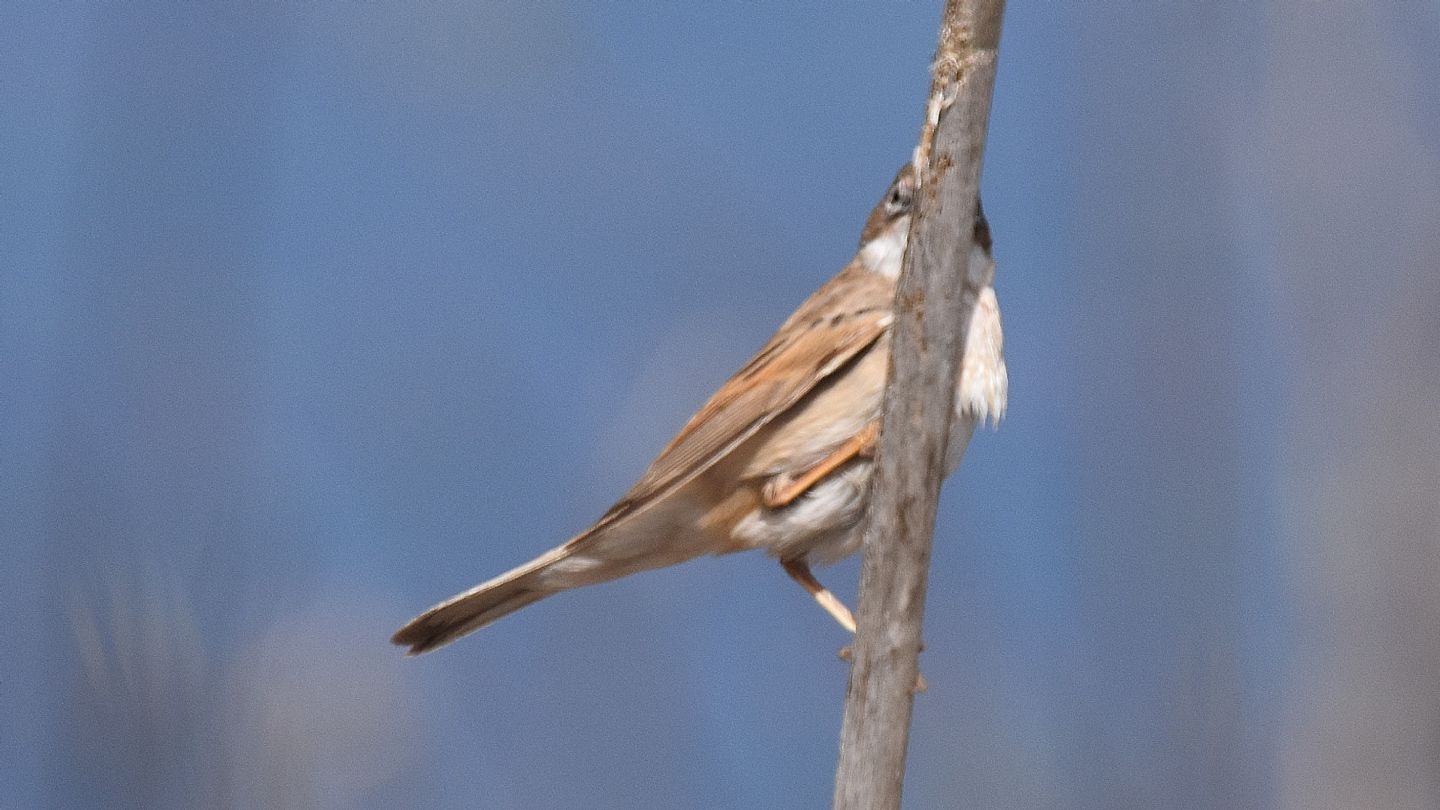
(836,324)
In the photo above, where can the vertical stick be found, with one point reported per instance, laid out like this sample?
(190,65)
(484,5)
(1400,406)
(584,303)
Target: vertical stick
(934,300)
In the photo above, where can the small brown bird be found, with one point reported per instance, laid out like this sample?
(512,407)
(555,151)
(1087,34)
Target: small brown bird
(779,458)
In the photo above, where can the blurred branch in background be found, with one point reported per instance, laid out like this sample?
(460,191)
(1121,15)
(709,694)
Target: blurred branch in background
(910,464)
(143,712)
(1360,447)
(309,715)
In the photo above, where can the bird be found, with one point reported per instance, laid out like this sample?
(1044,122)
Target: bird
(780,457)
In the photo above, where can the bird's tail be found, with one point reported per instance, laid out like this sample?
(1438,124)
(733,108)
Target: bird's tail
(467,612)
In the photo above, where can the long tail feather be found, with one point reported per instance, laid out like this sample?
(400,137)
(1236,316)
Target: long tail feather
(479,606)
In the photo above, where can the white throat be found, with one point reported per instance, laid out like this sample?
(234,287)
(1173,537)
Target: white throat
(883,253)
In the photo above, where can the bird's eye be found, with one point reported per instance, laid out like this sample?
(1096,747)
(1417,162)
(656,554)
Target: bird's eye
(898,200)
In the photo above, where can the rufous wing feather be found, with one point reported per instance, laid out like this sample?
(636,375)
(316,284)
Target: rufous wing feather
(838,322)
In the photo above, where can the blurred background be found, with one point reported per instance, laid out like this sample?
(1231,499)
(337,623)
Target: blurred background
(314,314)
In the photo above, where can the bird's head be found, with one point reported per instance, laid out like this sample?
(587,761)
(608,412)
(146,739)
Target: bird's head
(882,242)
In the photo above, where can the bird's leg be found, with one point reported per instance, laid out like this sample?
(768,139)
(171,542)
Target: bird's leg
(783,489)
(799,570)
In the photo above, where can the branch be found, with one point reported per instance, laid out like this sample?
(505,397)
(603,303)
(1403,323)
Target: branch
(933,304)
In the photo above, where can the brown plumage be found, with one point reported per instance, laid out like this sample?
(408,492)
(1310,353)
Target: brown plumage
(778,458)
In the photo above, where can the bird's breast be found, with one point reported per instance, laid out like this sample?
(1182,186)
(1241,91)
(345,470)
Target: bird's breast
(823,523)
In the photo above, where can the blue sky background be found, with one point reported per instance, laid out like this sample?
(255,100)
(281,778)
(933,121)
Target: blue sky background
(313,314)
